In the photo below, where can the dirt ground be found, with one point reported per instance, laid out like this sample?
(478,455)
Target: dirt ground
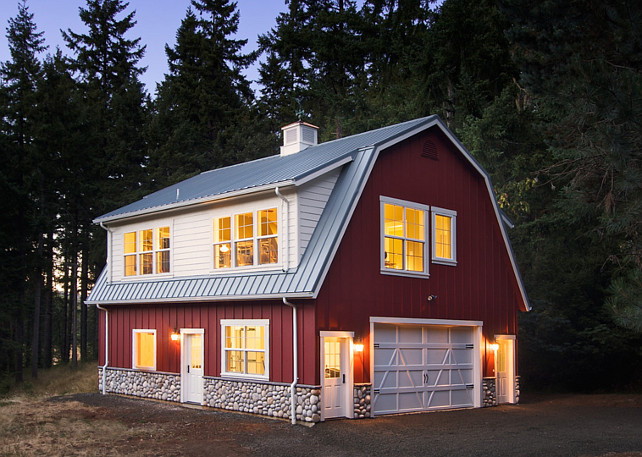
(92,424)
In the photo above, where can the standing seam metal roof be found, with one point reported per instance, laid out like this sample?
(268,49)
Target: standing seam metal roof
(306,280)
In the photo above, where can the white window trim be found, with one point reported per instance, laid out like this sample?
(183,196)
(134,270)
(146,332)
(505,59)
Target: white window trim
(138,276)
(134,349)
(453,235)
(382,249)
(255,241)
(246,322)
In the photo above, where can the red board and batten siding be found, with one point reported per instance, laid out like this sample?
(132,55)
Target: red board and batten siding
(164,318)
(481,287)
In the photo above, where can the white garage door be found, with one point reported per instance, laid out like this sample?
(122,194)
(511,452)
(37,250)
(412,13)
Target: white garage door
(419,368)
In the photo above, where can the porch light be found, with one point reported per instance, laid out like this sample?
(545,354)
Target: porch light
(357,346)
(224,248)
(494,347)
(175,336)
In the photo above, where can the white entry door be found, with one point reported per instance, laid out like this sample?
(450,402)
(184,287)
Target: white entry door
(337,380)
(192,367)
(504,369)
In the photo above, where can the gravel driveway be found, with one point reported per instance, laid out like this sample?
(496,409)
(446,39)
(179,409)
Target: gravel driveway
(559,425)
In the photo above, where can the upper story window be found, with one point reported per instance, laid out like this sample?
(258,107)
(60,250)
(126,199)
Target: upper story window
(246,239)
(404,236)
(404,245)
(147,251)
(444,235)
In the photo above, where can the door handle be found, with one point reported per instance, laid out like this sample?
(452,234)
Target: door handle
(188,368)
(344,378)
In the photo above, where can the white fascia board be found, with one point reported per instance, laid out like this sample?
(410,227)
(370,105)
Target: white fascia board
(322,171)
(194,202)
(411,320)
(277,296)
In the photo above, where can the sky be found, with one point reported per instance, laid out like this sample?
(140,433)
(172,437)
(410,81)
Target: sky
(157,23)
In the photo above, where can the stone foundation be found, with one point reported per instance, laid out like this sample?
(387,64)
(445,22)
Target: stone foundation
(489,396)
(263,398)
(361,395)
(146,384)
(266,399)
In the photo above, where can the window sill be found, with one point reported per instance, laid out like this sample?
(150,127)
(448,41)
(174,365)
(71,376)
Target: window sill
(147,277)
(243,377)
(409,274)
(250,269)
(438,261)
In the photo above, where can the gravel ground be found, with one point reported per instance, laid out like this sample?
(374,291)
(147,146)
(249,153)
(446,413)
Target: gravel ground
(551,425)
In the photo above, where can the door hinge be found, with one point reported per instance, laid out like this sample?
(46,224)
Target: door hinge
(377,391)
(470,346)
(470,386)
(376,345)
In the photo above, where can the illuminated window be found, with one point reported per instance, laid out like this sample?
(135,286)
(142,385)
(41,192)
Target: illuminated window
(144,349)
(130,253)
(444,249)
(147,251)
(245,348)
(403,236)
(238,239)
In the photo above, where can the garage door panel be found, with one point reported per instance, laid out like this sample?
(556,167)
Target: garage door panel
(385,357)
(436,356)
(411,356)
(411,378)
(423,367)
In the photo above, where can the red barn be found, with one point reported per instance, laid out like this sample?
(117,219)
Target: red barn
(363,276)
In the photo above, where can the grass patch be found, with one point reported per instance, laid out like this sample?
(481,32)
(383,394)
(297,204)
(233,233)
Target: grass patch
(58,380)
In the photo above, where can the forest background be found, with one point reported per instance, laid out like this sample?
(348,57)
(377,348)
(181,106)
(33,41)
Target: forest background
(546,95)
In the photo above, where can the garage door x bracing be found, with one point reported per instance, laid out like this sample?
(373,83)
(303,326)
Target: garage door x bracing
(419,368)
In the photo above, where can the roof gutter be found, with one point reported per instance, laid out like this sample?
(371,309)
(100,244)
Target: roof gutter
(104,367)
(286,238)
(295,361)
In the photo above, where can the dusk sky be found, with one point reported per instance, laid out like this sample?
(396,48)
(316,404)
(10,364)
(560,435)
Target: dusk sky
(157,22)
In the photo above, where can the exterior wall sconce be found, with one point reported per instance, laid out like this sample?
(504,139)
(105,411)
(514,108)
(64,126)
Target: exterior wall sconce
(432,297)
(175,336)
(357,346)
(494,347)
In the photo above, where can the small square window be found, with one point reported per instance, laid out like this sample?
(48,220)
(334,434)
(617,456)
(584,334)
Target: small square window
(144,349)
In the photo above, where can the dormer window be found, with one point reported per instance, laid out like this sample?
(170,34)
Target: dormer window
(254,240)
(147,251)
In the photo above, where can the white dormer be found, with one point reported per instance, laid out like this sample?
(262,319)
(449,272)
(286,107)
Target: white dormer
(297,137)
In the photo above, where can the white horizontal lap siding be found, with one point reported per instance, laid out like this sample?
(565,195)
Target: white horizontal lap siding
(293,237)
(192,244)
(312,199)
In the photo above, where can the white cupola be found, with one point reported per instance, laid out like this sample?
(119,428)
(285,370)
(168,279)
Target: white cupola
(297,137)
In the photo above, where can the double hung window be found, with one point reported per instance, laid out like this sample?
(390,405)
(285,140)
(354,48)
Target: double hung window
(405,236)
(245,348)
(147,251)
(246,239)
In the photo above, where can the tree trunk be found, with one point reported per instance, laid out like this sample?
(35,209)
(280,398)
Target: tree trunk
(64,350)
(35,337)
(84,284)
(47,337)
(73,302)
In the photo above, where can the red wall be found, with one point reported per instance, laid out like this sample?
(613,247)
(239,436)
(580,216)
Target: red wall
(164,318)
(480,287)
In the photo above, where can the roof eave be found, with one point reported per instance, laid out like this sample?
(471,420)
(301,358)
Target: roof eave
(193,202)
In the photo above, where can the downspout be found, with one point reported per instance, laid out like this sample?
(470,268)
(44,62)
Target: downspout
(104,383)
(286,238)
(295,355)
(109,249)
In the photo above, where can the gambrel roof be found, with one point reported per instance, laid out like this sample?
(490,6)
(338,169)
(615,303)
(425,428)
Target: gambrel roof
(356,155)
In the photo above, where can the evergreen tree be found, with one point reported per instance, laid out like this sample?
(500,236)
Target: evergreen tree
(205,99)
(21,181)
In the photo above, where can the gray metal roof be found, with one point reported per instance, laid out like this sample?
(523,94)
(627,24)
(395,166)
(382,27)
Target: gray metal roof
(272,170)
(305,281)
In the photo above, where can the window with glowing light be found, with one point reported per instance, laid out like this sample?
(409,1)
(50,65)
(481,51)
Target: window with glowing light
(444,249)
(246,239)
(245,348)
(144,349)
(403,229)
(147,251)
